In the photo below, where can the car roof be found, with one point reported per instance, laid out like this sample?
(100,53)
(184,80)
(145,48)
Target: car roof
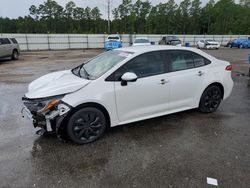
(141,38)
(144,49)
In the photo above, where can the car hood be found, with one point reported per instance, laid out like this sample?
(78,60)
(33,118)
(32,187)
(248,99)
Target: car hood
(212,42)
(57,83)
(141,44)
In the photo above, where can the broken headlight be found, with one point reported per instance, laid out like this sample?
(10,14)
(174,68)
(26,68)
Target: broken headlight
(42,105)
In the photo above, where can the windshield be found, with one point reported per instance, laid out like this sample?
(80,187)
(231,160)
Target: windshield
(99,65)
(210,40)
(141,41)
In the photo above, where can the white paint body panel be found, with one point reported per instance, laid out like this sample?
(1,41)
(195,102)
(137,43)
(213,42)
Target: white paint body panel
(56,83)
(142,99)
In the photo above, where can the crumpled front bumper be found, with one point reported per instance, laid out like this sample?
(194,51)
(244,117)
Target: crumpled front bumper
(46,120)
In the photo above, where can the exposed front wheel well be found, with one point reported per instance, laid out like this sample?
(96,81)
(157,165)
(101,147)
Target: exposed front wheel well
(90,104)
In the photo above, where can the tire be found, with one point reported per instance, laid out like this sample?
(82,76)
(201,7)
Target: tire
(86,125)
(210,99)
(15,55)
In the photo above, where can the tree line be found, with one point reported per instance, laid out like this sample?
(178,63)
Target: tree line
(140,16)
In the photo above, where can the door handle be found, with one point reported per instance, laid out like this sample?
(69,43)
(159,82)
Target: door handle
(163,81)
(200,73)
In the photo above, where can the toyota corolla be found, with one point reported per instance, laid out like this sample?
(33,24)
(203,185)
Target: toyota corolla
(126,85)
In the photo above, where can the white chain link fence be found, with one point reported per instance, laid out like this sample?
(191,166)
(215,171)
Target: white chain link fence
(84,41)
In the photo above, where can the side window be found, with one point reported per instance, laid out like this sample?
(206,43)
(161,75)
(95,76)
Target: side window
(180,60)
(144,65)
(5,41)
(14,40)
(200,61)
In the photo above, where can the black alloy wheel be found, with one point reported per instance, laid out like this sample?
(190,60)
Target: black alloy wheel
(210,99)
(86,125)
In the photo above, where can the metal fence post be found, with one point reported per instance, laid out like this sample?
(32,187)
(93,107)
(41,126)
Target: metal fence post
(27,42)
(104,37)
(48,42)
(68,41)
(87,41)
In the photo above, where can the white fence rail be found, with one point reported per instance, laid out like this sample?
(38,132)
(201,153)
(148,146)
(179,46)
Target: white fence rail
(82,41)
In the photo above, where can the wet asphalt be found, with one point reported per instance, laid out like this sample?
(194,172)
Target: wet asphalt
(178,150)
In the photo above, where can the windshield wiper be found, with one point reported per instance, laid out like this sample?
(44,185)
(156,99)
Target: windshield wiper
(85,72)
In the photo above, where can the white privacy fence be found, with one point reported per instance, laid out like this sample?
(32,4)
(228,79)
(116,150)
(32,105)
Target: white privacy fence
(83,41)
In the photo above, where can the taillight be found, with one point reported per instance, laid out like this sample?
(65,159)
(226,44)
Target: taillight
(229,68)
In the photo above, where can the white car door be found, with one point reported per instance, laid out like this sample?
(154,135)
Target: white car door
(187,75)
(149,95)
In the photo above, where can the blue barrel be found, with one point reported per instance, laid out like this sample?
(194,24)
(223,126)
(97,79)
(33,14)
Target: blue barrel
(187,44)
(248,58)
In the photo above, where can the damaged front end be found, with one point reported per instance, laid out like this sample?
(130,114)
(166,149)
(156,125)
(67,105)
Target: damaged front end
(46,113)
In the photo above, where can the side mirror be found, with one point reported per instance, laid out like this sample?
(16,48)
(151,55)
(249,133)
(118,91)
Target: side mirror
(128,77)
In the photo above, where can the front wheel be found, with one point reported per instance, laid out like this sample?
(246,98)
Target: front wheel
(210,99)
(86,125)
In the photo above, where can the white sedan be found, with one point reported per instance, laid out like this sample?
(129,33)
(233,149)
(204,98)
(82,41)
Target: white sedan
(126,85)
(141,42)
(208,44)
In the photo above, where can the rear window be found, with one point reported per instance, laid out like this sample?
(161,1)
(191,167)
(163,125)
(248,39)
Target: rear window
(181,60)
(141,41)
(14,40)
(200,61)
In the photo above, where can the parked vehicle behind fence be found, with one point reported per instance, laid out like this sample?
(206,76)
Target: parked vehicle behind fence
(208,44)
(170,40)
(9,47)
(141,41)
(113,42)
(241,43)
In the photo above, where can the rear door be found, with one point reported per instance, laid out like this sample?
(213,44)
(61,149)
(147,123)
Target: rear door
(187,75)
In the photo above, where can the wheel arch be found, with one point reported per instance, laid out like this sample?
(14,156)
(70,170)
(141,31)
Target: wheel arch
(218,84)
(87,104)
(15,49)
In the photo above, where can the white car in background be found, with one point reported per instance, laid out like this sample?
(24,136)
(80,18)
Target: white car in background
(126,85)
(208,44)
(141,42)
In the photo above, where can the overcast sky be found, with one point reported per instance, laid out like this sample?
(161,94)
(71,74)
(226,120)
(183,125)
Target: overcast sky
(15,8)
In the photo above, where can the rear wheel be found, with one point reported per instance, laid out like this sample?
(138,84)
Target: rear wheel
(210,99)
(15,55)
(86,125)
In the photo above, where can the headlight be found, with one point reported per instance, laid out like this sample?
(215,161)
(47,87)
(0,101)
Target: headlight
(49,105)
(42,105)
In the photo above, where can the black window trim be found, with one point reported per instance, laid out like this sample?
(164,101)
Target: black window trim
(192,52)
(111,77)
(167,68)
